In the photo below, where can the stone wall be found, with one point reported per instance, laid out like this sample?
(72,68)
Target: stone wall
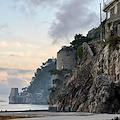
(66,58)
(94,34)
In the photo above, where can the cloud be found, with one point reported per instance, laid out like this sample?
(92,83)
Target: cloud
(3,77)
(4,28)
(4,90)
(5,44)
(38,2)
(13,55)
(5,25)
(73,17)
(28,7)
(15,71)
(10,78)
(41,2)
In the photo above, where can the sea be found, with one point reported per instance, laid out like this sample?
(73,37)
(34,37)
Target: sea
(5,106)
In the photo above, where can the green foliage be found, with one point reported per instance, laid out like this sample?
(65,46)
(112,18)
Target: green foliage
(55,72)
(66,71)
(112,41)
(57,81)
(79,40)
(80,52)
(42,78)
(58,72)
(51,89)
(67,48)
(103,44)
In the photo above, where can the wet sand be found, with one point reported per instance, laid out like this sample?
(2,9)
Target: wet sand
(92,117)
(46,115)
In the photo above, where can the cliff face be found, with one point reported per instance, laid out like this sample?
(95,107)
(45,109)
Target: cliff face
(94,87)
(37,92)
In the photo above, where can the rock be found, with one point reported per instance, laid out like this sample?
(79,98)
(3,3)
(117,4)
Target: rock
(103,92)
(95,85)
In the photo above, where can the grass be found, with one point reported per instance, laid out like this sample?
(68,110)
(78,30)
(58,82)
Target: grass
(80,52)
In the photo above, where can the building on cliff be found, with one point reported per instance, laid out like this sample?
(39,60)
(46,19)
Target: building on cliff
(112,25)
(95,85)
(66,58)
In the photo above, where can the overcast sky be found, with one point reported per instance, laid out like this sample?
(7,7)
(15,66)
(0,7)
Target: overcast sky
(31,31)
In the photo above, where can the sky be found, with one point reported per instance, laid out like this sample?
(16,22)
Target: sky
(31,31)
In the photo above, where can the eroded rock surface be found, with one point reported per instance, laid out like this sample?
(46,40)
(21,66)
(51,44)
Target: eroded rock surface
(94,87)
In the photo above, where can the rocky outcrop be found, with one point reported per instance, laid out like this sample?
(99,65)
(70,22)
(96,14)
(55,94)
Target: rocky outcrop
(94,87)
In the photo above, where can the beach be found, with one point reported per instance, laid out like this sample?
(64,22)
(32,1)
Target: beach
(46,115)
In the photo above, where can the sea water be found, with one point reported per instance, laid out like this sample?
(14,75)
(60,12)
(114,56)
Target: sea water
(5,106)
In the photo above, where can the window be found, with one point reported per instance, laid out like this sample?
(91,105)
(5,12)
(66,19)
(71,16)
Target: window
(115,11)
(108,14)
(112,11)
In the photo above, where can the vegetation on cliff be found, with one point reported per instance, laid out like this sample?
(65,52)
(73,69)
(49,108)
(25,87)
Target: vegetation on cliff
(112,41)
(58,72)
(80,52)
(37,92)
(42,79)
(61,74)
(79,40)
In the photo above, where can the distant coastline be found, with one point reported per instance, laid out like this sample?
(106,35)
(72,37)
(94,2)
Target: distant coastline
(2,101)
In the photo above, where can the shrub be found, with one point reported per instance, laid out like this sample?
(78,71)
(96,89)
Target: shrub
(56,81)
(113,41)
(51,89)
(55,72)
(103,44)
(58,72)
(79,40)
(80,52)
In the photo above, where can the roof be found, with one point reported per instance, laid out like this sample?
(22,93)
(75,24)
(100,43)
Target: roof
(106,7)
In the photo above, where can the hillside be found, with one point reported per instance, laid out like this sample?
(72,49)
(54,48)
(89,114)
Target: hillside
(37,92)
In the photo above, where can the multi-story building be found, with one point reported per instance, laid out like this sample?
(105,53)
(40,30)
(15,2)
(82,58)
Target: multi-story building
(112,26)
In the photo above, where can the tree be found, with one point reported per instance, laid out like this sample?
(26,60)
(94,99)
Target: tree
(79,40)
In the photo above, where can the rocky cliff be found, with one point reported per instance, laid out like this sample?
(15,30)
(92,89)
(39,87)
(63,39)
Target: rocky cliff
(95,85)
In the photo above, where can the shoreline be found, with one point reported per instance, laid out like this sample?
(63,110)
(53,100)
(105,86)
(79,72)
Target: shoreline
(7,111)
(47,115)
(18,117)
(6,115)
